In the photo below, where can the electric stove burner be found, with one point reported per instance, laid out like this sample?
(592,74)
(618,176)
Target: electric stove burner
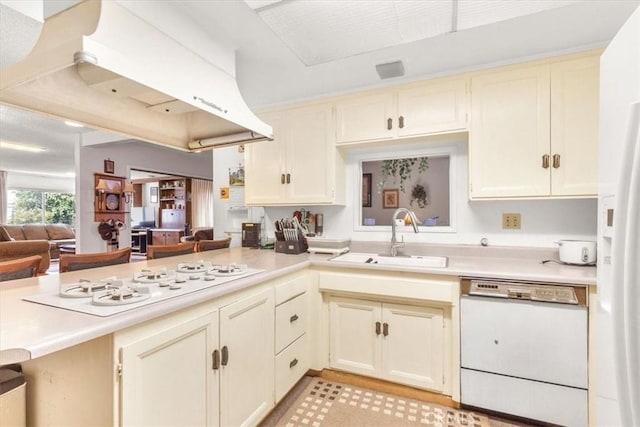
(122,295)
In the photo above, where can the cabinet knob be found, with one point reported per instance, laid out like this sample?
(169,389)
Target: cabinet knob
(545,161)
(288,178)
(389,123)
(282,179)
(385,329)
(293,318)
(401,122)
(378,328)
(293,363)
(556,161)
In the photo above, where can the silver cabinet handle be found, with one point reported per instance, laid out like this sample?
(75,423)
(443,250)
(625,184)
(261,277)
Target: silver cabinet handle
(545,161)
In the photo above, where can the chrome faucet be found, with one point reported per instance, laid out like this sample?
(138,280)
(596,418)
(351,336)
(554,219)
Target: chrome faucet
(414,222)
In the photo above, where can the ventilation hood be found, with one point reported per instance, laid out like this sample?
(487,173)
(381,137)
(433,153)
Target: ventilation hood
(100,65)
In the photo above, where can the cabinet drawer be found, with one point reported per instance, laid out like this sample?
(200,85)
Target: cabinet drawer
(291,321)
(291,288)
(291,365)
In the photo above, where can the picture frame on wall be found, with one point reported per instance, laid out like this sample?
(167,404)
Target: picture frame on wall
(390,198)
(153,194)
(366,190)
(109,166)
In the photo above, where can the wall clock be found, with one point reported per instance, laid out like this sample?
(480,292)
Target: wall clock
(112,202)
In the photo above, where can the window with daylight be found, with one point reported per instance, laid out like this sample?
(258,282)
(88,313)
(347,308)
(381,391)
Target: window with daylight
(35,206)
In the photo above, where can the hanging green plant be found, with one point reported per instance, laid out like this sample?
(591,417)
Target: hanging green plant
(400,168)
(419,195)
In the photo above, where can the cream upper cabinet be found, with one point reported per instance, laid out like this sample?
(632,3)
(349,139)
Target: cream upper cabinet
(534,131)
(421,109)
(395,342)
(301,165)
(574,126)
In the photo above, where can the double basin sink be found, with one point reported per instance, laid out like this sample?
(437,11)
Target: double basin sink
(415,261)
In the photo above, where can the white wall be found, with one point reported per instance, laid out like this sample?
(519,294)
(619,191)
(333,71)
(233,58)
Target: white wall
(543,221)
(127,156)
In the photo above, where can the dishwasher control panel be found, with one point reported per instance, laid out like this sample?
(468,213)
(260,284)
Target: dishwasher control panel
(523,291)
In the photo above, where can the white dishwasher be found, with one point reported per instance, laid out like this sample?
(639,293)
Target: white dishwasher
(524,349)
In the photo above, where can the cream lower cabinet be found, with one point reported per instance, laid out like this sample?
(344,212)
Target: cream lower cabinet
(195,368)
(301,165)
(534,130)
(168,378)
(395,342)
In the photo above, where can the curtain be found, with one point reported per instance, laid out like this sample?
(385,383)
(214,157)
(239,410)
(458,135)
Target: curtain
(201,203)
(4,195)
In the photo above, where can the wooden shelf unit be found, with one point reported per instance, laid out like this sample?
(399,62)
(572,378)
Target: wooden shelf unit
(175,202)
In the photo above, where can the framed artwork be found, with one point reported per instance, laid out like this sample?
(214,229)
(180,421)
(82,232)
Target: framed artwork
(390,198)
(108,201)
(236,175)
(109,166)
(366,190)
(153,194)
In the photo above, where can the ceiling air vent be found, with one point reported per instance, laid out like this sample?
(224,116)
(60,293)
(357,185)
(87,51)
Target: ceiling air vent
(390,70)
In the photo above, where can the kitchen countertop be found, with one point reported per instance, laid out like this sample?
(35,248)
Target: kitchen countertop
(29,330)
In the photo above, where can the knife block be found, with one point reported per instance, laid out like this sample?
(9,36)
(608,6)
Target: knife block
(291,246)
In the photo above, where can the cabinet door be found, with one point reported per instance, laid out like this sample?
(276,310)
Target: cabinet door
(265,166)
(574,127)
(509,133)
(366,117)
(247,371)
(413,349)
(172,218)
(354,343)
(432,107)
(310,155)
(167,378)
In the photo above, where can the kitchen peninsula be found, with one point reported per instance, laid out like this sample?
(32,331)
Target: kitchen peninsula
(64,351)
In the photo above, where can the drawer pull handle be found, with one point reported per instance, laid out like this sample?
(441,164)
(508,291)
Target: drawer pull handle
(389,123)
(556,161)
(216,360)
(293,318)
(293,363)
(401,122)
(378,328)
(225,356)
(288,178)
(385,329)
(282,179)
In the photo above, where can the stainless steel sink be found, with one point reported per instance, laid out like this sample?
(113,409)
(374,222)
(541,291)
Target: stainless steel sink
(415,261)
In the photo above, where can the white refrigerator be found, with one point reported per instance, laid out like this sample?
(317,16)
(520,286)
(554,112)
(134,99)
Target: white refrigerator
(618,317)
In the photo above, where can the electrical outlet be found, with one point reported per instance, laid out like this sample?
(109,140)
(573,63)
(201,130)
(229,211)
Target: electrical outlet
(511,221)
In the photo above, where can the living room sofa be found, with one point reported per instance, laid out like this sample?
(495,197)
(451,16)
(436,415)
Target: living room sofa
(56,235)
(16,249)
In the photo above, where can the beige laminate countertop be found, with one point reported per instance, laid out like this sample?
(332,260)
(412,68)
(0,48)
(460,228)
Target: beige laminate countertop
(30,330)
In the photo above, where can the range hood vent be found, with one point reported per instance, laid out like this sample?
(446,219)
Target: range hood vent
(100,65)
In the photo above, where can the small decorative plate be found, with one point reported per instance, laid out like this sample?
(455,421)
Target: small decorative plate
(112,201)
